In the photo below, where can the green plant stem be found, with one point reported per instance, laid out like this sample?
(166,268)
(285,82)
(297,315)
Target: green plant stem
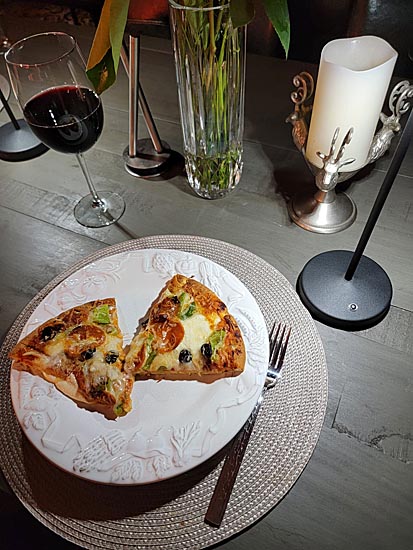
(212,46)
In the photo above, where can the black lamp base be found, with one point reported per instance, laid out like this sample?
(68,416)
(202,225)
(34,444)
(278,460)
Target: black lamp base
(21,144)
(353,305)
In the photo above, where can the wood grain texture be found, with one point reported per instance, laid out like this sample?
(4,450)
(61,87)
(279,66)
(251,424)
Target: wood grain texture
(356,490)
(344,498)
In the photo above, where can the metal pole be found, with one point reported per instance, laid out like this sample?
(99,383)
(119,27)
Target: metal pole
(133,93)
(153,132)
(150,123)
(382,196)
(9,111)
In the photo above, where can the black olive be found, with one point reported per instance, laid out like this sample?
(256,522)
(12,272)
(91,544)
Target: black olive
(206,350)
(175,299)
(87,354)
(49,332)
(185,356)
(111,357)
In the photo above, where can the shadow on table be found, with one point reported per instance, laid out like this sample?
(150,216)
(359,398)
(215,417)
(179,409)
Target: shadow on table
(58,492)
(290,182)
(174,167)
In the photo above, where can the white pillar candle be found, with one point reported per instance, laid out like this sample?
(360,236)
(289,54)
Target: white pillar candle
(352,82)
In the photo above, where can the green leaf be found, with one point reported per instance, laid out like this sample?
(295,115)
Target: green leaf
(104,55)
(118,16)
(277,12)
(242,12)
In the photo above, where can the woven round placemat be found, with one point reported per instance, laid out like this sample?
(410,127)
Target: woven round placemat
(170,514)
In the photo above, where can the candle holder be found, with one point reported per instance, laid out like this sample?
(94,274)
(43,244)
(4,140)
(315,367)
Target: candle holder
(326,211)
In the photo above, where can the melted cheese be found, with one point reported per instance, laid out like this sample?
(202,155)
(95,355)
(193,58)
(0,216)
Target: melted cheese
(197,331)
(56,346)
(96,367)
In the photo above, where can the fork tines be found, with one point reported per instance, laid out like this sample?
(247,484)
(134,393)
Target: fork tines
(277,340)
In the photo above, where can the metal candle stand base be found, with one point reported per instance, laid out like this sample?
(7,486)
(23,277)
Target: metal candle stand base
(143,157)
(321,212)
(325,211)
(147,162)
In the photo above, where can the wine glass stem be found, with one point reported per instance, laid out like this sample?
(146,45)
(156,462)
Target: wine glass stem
(97,201)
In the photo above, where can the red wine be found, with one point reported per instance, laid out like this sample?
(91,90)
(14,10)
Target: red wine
(68,119)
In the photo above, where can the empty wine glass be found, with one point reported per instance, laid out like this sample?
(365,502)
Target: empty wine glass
(47,73)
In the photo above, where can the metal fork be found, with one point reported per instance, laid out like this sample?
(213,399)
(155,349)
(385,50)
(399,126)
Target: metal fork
(279,337)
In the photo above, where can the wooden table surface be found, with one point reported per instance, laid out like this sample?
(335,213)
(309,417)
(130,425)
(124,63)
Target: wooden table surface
(356,491)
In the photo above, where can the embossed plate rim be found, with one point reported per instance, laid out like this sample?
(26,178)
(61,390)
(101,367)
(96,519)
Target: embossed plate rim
(42,411)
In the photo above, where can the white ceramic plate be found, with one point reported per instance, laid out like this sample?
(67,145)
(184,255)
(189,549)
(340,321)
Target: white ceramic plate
(174,425)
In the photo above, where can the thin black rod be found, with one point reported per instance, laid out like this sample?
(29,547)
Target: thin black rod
(382,196)
(9,111)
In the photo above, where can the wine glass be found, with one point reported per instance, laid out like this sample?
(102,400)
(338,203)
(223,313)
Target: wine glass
(47,73)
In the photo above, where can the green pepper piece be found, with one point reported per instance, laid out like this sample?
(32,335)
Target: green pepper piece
(151,354)
(101,314)
(188,312)
(118,409)
(216,340)
(182,298)
(149,360)
(187,308)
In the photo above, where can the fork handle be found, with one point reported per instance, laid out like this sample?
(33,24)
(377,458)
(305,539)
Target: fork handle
(223,488)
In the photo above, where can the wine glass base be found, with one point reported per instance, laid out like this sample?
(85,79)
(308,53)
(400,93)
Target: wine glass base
(91,215)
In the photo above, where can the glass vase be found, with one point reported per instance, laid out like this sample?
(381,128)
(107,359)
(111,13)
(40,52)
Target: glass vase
(210,69)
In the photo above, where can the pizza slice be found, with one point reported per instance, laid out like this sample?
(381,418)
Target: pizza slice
(188,335)
(81,352)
